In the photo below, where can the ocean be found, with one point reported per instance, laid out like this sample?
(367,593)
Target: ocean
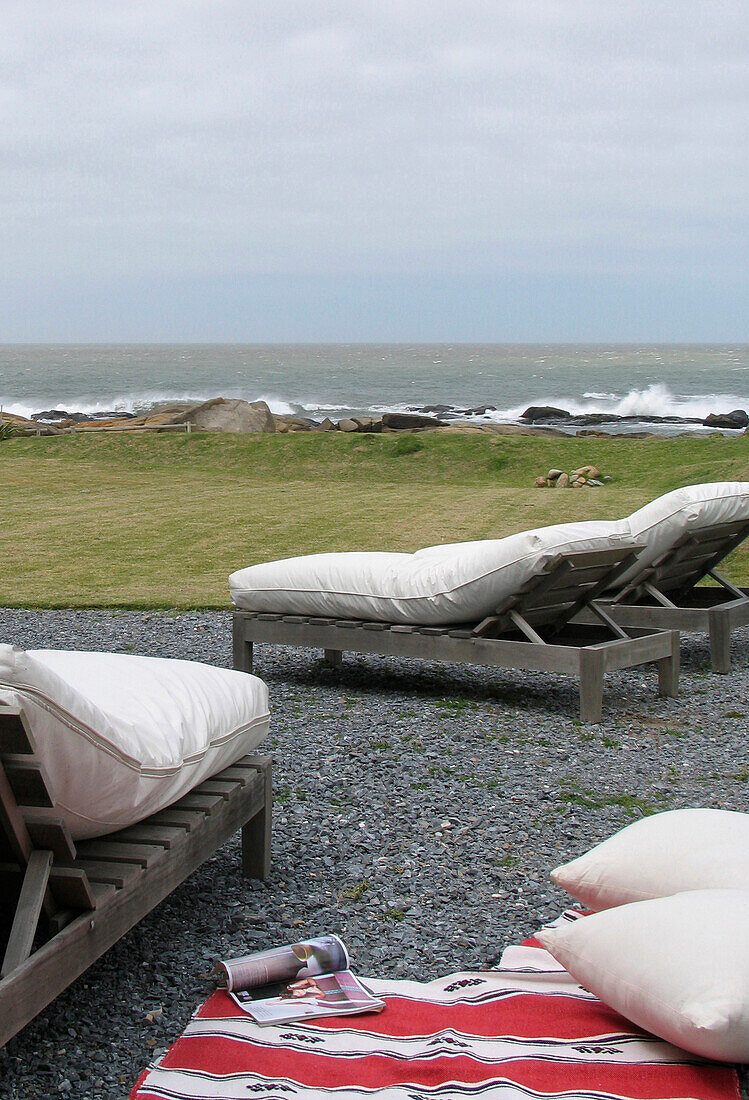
(337,380)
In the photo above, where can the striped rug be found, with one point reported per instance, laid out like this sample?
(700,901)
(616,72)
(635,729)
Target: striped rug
(521,1031)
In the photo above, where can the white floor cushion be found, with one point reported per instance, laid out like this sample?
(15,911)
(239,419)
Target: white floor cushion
(459,583)
(121,736)
(660,524)
(667,853)
(677,966)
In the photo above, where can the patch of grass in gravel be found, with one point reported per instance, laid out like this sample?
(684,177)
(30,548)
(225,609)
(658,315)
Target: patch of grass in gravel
(633,805)
(393,914)
(355,891)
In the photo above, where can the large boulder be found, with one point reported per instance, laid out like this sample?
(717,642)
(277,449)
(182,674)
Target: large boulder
(401,421)
(16,420)
(293,423)
(225,415)
(369,423)
(544,412)
(736,419)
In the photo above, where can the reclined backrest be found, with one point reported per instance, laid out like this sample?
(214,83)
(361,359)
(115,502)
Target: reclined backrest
(438,585)
(121,736)
(693,509)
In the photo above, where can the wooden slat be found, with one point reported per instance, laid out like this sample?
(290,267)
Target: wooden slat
(105,850)
(119,874)
(184,819)
(49,832)
(223,787)
(612,556)
(71,887)
(682,570)
(237,773)
(15,735)
(208,803)
(261,764)
(12,822)
(27,912)
(590,574)
(27,781)
(98,892)
(165,836)
(572,591)
(553,611)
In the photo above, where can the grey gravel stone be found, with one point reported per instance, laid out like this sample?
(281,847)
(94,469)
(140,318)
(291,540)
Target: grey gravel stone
(419,809)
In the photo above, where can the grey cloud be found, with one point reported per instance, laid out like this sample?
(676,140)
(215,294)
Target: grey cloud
(175,137)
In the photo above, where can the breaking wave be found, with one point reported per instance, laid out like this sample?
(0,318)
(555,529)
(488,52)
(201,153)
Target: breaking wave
(655,400)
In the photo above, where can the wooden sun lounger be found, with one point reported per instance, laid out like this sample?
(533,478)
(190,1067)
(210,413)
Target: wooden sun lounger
(667,595)
(65,902)
(532,631)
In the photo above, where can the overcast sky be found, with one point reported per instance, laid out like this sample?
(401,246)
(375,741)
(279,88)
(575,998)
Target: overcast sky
(394,170)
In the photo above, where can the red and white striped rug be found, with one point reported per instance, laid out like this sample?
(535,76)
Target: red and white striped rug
(525,1030)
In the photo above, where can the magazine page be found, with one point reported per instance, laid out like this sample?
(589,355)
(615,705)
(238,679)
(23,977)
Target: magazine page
(323,955)
(309,998)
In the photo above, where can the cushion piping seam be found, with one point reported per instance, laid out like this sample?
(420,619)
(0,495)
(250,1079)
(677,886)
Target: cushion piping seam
(95,739)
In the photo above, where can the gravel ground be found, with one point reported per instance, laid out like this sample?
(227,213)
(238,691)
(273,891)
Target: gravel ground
(419,810)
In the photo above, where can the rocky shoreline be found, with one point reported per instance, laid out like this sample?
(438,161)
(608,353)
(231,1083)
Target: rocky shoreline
(233,415)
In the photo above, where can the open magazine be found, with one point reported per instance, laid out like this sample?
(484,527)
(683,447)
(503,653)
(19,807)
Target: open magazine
(303,981)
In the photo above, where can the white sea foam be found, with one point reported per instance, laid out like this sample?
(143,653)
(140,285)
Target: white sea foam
(140,403)
(655,400)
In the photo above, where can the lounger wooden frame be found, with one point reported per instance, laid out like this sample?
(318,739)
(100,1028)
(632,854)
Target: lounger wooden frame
(73,900)
(530,631)
(667,595)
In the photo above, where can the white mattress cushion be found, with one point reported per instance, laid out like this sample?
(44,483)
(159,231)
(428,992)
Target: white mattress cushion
(457,583)
(122,736)
(666,853)
(660,524)
(677,966)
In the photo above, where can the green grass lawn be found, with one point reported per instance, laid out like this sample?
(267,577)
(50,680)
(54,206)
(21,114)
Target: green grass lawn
(161,520)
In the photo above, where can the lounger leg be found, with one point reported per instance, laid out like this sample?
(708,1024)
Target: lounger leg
(591,685)
(720,640)
(333,657)
(256,835)
(668,669)
(242,650)
(28,910)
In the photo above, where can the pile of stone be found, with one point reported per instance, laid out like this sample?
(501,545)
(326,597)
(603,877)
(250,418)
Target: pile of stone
(576,479)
